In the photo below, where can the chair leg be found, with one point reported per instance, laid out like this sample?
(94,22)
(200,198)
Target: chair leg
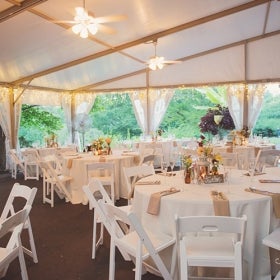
(32,252)
(22,264)
(112,260)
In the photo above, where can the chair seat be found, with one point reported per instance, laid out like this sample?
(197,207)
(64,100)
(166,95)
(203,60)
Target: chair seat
(159,242)
(206,249)
(273,240)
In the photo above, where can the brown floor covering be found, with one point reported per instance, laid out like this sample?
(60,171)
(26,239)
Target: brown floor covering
(63,241)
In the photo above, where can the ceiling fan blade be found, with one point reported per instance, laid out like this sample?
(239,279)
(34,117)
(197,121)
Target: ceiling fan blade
(112,18)
(106,29)
(171,61)
(64,21)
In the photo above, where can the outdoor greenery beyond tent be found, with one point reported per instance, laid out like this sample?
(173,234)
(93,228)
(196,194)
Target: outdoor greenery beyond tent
(113,115)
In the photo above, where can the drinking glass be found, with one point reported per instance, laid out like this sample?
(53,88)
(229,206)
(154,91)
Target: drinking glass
(172,162)
(164,167)
(251,169)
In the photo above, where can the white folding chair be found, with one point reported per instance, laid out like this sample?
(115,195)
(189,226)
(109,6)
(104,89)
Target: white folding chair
(28,195)
(52,182)
(210,241)
(142,245)
(17,163)
(134,173)
(105,172)
(31,166)
(273,241)
(12,227)
(268,158)
(95,191)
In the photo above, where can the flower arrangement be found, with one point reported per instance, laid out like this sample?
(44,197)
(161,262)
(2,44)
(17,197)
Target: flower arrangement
(187,161)
(98,144)
(208,124)
(216,159)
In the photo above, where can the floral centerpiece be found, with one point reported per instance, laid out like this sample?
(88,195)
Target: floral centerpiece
(188,163)
(219,124)
(240,136)
(101,146)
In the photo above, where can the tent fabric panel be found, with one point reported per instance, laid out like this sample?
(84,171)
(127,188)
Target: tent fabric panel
(89,72)
(264,58)
(225,65)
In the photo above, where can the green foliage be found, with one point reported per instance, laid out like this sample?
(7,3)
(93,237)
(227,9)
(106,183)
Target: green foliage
(113,115)
(38,122)
(184,113)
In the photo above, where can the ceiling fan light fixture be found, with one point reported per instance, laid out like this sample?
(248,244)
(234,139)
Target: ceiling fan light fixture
(77,28)
(84,32)
(156,62)
(92,28)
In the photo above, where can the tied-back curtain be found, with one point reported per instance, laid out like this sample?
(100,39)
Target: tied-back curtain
(150,107)
(139,103)
(17,114)
(66,101)
(159,100)
(5,119)
(255,95)
(235,101)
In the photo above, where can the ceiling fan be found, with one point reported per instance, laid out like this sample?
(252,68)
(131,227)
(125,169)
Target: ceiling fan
(158,62)
(86,23)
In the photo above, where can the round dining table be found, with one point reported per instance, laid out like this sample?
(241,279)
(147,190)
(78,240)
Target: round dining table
(74,165)
(196,199)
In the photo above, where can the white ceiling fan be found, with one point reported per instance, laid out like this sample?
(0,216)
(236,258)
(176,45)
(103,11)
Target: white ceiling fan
(158,62)
(86,23)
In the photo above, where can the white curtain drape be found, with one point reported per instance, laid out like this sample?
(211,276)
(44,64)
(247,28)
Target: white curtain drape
(5,119)
(235,101)
(159,100)
(139,102)
(150,107)
(255,95)
(66,100)
(236,95)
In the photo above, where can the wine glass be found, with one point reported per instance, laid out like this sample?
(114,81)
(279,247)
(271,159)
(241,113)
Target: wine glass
(251,169)
(164,168)
(172,162)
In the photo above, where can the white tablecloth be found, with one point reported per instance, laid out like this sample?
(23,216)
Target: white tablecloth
(78,172)
(196,200)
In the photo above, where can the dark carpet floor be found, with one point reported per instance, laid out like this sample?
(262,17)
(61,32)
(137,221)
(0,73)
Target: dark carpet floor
(63,241)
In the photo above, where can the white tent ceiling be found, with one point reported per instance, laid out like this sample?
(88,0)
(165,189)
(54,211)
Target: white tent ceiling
(218,41)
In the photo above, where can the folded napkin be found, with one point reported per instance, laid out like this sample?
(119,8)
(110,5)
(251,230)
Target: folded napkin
(256,173)
(70,162)
(168,174)
(274,196)
(157,182)
(154,202)
(269,181)
(220,204)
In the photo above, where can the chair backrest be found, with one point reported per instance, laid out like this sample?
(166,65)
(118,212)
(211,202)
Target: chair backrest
(268,158)
(134,173)
(15,158)
(21,191)
(100,169)
(30,155)
(91,190)
(210,225)
(52,175)
(147,159)
(115,215)
(15,224)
